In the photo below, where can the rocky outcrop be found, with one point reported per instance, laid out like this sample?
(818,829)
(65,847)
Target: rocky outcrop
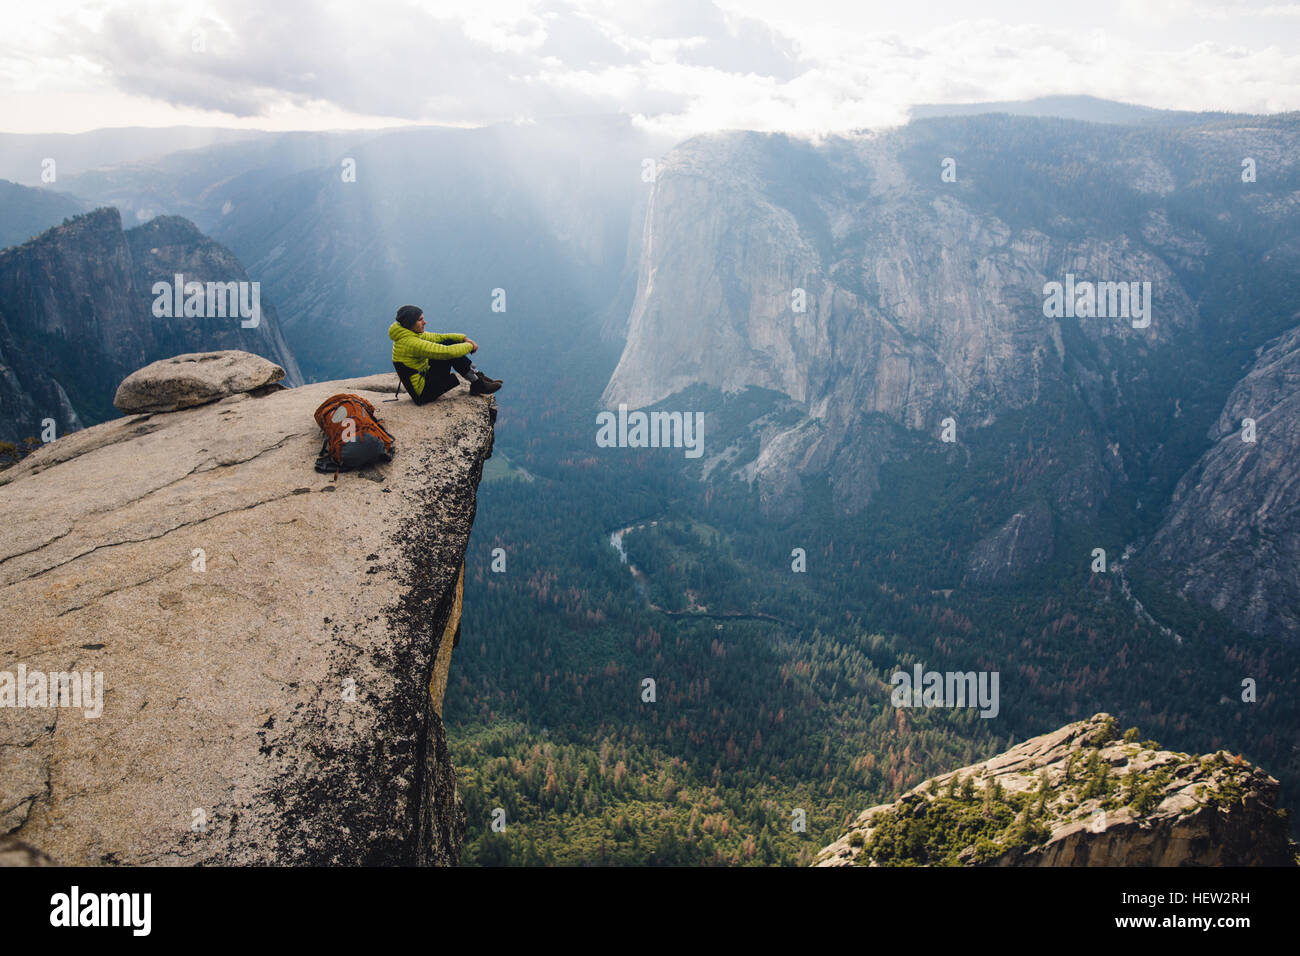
(273,644)
(184,381)
(1079,796)
(1021,544)
(1232,536)
(77,315)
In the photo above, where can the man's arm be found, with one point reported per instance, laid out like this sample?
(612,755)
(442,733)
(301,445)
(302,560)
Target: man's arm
(442,337)
(426,345)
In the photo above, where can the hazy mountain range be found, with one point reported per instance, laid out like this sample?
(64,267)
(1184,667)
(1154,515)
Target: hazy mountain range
(881,304)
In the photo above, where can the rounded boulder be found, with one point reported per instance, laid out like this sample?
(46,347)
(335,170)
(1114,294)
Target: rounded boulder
(198,378)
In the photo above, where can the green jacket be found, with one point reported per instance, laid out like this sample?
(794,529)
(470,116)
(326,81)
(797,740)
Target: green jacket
(414,350)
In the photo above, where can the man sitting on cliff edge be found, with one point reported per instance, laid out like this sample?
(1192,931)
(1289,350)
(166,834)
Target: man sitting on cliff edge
(424,360)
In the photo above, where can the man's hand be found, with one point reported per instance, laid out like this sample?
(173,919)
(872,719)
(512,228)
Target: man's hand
(473,343)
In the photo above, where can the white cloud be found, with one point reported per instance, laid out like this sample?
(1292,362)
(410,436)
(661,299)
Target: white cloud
(682,65)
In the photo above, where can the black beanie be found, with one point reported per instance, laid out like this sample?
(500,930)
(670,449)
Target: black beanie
(408,315)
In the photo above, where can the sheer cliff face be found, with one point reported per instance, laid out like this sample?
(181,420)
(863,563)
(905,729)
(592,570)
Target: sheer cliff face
(1078,797)
(274,645)
(924,298)
(76,316)
(1232,537)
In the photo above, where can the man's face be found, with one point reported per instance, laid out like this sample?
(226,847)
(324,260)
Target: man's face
(418,327)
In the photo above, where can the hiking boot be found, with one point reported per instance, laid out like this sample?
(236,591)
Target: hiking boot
(484,386)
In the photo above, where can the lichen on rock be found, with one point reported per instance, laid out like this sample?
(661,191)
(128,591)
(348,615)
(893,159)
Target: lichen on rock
(1080,796)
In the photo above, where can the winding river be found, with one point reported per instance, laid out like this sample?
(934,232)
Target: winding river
(638,578)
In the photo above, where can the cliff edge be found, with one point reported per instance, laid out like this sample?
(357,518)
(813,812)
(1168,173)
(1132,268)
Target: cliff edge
(273,644)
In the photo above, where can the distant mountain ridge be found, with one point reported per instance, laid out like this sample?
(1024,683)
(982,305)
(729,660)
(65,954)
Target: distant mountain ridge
(26,212)
(22,155)
(76,316)
(1088,108)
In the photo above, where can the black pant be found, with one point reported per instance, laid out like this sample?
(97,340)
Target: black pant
(438,378)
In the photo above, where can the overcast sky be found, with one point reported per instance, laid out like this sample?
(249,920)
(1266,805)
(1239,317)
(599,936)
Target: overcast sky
(683,66)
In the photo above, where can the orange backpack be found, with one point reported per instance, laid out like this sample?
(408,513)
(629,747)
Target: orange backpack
(353,436)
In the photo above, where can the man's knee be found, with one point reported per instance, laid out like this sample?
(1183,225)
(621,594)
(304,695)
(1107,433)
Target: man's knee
(435,386)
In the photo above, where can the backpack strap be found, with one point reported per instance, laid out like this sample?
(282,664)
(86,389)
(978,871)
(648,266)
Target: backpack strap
(404,373)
